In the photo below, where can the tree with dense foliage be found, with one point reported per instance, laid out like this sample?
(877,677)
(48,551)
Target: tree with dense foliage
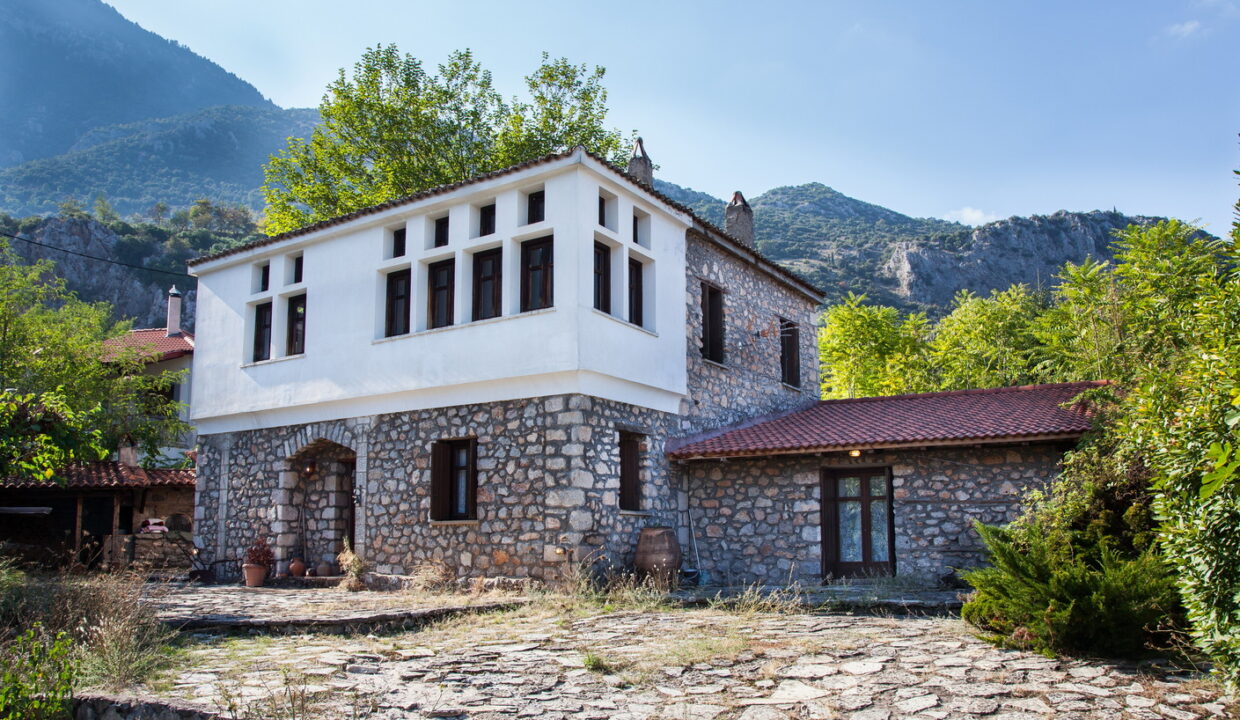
(65,397)
(393,128)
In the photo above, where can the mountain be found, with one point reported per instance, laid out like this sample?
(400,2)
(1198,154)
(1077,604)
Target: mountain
(74,65)
(215,153)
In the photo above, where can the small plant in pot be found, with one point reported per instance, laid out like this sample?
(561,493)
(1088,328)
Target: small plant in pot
(258,560)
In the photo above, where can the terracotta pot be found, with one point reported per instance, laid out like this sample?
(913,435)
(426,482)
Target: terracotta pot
(297,568)
(658,554)
(325,569)
(254,575)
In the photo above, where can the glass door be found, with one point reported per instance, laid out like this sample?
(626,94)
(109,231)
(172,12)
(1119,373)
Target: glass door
(857,532)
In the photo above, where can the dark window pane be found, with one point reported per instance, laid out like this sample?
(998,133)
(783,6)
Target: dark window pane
(602,277)
(636,224)
(630,471)
(396,319)
(635,292)
(298,264)
(488,285)
(262,331)
(602,211)
(849,486)
(878,531)
(537,274)
(441,231)
(712,323)
(535,207)
(454,480)
(398,242)
(441,281)
(296,340)
(264,278)
(850,531)
(790,352)
(486,220)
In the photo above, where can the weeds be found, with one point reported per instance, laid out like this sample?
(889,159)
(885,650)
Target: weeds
(757,600)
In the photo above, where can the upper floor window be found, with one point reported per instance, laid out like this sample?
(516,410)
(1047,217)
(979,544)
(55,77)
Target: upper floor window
(602,211)
(535,207)
(454,479)
(398,242)
(262,332)
(441,231)
(298,266)
(636,273)
(296,328)
(602,277)
(630,471)
(396,307)
(789,352)
(488,285)
(537,270)
(263,281)
(641,228)
(712,323)
(441,286)
(486,220)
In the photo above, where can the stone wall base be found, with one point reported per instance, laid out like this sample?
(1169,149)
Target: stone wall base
(103,707)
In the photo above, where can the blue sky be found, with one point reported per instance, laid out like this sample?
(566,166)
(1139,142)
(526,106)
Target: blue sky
(967,110)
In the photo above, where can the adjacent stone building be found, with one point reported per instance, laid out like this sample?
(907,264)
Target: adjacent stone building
(511,374)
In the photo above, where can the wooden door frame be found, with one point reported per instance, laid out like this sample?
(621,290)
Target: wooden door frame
(828,511)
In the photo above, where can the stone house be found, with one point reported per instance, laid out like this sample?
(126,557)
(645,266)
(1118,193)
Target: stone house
(490,375)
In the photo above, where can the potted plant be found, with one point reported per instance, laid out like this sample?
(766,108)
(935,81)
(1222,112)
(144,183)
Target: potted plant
(258,559)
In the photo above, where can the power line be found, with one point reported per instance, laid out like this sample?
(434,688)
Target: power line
(95,257)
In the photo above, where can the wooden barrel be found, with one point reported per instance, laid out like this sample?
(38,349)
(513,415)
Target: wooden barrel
(658,554)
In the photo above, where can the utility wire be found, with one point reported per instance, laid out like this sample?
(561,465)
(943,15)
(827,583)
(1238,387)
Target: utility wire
(95,257)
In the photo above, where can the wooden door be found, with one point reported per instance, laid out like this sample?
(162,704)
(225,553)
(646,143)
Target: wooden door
(858,529)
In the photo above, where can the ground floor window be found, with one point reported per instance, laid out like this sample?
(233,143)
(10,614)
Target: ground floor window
(857,528)
(454,479)
(630,471)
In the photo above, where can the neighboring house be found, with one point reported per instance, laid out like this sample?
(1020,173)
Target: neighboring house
(490,375)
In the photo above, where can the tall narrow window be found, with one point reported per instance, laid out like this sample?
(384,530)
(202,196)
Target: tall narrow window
(454,480)
(712,323)
(635,292)
(488,284)
(536,207)
(789,353)
(396,308)
(298,265)
(856,521)
(262,332)
(602,277)
(441,282)
(637,221)
(602,211)
(264,277)
(398,242)
(630,471)
(486,220)
(537,270)
(296,329)
(441,231)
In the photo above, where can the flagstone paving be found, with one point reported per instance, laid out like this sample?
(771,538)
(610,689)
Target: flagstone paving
(699,664)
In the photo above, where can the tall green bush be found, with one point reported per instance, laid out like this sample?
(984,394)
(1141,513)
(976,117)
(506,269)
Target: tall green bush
(36,676)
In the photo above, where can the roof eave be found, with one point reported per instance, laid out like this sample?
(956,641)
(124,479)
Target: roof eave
(817,449)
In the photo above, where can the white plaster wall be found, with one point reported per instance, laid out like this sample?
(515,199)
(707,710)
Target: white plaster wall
(350,370)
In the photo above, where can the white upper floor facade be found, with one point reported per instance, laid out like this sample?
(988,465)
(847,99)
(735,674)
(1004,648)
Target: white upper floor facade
(560,277)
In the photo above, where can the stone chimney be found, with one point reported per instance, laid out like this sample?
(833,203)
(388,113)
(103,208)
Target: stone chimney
(174,312)
(127,455)
(738,219)
(640,167)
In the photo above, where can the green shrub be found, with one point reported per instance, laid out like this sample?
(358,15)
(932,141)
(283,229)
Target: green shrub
(37,676)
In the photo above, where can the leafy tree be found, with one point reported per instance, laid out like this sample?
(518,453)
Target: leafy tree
(871,350)
(987,342)
(392,128)
(66,396)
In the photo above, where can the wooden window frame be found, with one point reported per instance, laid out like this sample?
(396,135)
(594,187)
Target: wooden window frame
(441,231)
(399,236)
(264,277)
(829,514)
(299,267)
(637,279)
(443,472)
(545,293)
(630,470)
(789,352)
(433,302)
(714,329)
(602,211)
(397,307)
(486,220)
(262,332)
(602,277)
(497,283)
(295,328)
(536,207)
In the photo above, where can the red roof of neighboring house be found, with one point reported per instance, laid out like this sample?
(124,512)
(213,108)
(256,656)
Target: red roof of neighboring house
(107,474)
(987,416)
(154,342)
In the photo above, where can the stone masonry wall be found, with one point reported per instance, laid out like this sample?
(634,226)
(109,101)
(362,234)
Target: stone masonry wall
(759,520)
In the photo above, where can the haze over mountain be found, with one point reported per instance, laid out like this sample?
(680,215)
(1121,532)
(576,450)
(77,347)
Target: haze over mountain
(108,109)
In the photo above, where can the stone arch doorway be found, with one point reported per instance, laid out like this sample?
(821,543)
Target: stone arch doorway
(318,512)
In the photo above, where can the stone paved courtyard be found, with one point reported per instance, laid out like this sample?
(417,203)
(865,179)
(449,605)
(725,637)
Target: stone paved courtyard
(540,661)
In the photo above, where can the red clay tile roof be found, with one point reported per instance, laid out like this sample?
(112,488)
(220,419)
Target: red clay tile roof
(107,474)
(987,416)
(153,343)
(760,259)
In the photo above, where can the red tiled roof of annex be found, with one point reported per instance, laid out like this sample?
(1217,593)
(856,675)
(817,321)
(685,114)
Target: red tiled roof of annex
(107,474)
(153,343)
(993,415)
